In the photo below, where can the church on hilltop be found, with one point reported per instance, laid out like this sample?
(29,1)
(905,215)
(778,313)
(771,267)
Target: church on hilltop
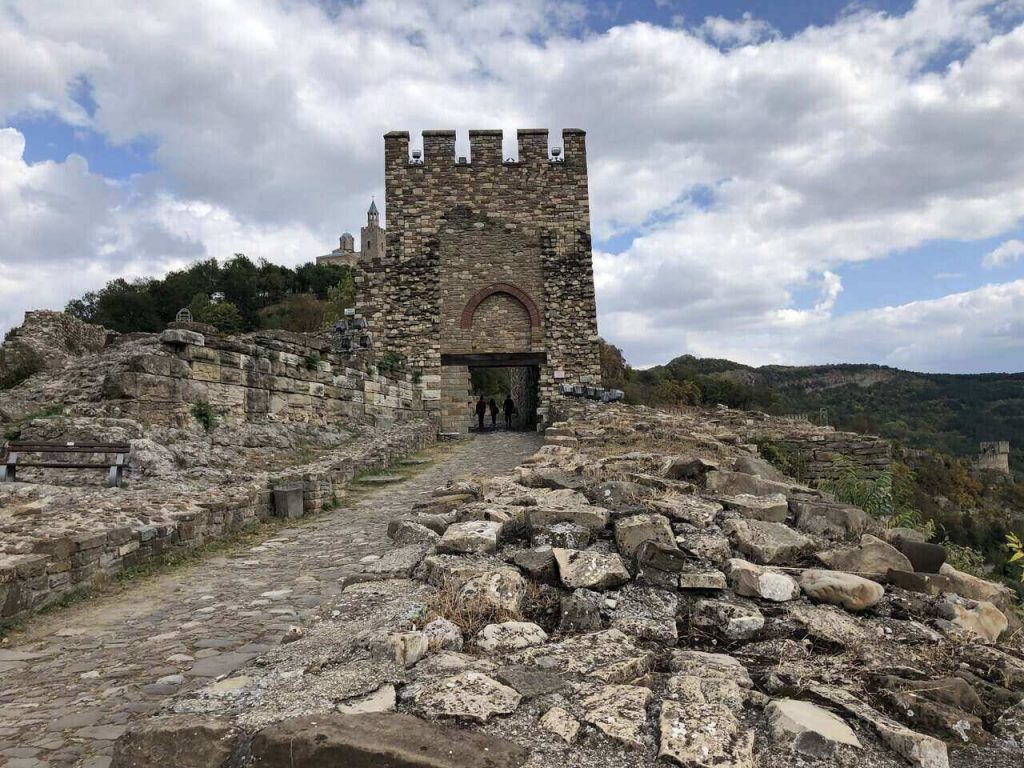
(371,238)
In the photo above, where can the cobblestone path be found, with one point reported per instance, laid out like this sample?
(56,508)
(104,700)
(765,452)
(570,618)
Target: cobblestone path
(76,679)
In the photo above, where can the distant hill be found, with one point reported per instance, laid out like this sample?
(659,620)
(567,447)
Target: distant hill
(943,412)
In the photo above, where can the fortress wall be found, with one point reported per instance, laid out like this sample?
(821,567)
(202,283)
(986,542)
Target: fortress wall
(270,375)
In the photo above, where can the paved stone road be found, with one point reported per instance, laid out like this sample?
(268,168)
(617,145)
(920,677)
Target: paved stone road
(72,684)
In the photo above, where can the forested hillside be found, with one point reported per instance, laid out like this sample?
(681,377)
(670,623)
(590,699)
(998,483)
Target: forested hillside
(943,412)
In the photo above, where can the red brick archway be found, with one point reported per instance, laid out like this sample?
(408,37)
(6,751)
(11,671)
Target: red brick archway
(521,296)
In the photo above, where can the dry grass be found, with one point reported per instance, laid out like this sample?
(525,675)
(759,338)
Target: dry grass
(470,614)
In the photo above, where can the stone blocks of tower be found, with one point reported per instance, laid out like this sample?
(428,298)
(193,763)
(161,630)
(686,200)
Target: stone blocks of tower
(486,258)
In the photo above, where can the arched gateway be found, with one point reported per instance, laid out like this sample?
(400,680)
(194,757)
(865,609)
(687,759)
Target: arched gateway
(488,265)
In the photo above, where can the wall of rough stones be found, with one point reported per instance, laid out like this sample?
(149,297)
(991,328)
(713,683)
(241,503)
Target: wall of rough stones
(457,229)
(272,375)
(45,340)
(65,561)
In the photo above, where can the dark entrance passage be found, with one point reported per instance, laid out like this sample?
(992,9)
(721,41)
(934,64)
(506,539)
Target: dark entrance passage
(497,377)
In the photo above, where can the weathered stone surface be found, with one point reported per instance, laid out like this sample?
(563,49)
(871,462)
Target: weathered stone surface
(537,563)
(381,700)
(872,556)
(531,682)
(443,635)
(706,545)
(1010,725)
(789,718)
(559,722)
(469,695)
(846,589)
(773,508)
(924,557)
(404,532)
(698,724)
(684,508)
(667,558)
(710,665)
(925,583)
(555,479)
(631,532)
(398,563)
(618,711)
(581,611)
(829,518)
(731,620)
(943,706)
(181,336)
(615,494)
(375,740)
(188,741)
(501,588)
(767,543)
(755,465)
(510,636)
(473,537)
(974,588)
(831,625)
(590,570)
(647,614)
(919,749)
(978,617)
(691,468)
(732,483)
(702,580)
(563,535)
(566,506)
(407,648)
(752,580)
(609,656)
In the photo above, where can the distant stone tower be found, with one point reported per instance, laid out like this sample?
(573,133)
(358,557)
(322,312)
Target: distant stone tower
(995,456)
(487,265)
(372,236)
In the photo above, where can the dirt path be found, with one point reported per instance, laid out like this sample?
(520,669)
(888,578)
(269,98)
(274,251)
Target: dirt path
(72,684)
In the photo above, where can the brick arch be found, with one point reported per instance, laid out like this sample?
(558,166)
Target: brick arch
(521,296)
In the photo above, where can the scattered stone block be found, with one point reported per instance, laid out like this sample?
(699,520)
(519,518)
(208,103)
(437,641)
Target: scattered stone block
(750,580)
(686,508)
(710,665)
(631,532)
(768,543)
(846,589)
(789,719)
(647,614)
(609,656)
(698,724)
(828,518)
(563,535)
(404,532)
(713,580)
(581,611)
(510,636)
(731,620)
(872,556)
(618,711)
(443,635)
(977,617)
(559,722)
(501,588)
(537,563)
(924,557)
(468,695)
(473,537)
(381,700)
(590,570)
(773,508)
(531,682)
(180,336)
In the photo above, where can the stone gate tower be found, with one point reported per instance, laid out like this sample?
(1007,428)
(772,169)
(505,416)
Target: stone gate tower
(487,263)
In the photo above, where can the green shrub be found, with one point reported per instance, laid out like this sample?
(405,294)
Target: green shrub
(205,414)
(964,558)
(390,362)
(782,458)
(312,361)
(886,498)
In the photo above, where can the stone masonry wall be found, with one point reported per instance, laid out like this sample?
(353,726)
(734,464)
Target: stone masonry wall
(273,375)
(457,230)
(46,339)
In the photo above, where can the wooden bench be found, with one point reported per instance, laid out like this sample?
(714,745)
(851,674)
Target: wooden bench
(73,455)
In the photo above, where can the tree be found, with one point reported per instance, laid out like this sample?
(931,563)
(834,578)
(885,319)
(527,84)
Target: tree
(222,315)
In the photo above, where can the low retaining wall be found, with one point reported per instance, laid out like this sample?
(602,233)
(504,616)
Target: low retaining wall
(69,563)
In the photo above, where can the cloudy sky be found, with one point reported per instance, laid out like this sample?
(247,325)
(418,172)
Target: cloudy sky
(773,181)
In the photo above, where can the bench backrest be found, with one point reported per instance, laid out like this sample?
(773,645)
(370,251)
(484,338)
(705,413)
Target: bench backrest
(27,446)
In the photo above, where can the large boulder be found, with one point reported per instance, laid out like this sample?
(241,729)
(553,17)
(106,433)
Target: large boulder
(977,617)
(975,588)
(499,589)
(872,556)
(566,506)
(844,589)
(751,580)
(373,740)
(731,483)
(186,741)
(589,569)
(631,532)
(828,518)
(768,543)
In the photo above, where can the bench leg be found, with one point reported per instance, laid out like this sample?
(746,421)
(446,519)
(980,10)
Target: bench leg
(116,473)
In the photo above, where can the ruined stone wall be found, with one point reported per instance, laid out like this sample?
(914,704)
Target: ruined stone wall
(272,375)
(459,230)
(994,456)
(45,340)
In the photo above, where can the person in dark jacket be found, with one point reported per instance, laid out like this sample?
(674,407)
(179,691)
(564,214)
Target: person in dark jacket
(492,406)
(510,409)
(481,409)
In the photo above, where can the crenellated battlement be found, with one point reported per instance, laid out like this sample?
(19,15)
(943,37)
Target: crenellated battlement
(485,149)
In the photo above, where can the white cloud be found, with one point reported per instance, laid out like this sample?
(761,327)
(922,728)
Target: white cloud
(1007,253)
(836,145)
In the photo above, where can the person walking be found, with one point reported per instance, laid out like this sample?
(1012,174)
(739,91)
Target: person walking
(481,409)
(510,409)
(492,406)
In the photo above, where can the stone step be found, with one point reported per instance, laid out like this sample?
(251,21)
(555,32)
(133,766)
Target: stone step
(379,479)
